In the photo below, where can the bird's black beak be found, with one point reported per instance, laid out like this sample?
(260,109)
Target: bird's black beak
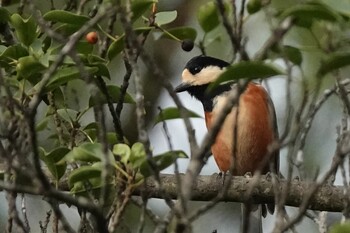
(182,87)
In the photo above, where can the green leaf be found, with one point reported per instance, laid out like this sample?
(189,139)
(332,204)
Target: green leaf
(92,125)
(57,170)
(59,97)
(92,59)
(29,65)
(340,228)
(51,158)
(66,74)
(139,7)
(174,113)
(2,48)
(247,70)
(67,29)
(293,54)
(123,151)
(137,152)
(102,69)
(12,53)
(46,44)
(118,45)
(4,15)
(92,129)
(181,33)
(162,161)
(254,6)
(84,47)
(13,83)
(94,189)
(42,125)
(87,152)
(25,29)
(68,115)
(67,17)
(114,93)
(334,62)
(208,16)
(310,12)
(57,154)
(84,173)
(112,138)
(341,6)
(165,17)
(9,2)
(68,61)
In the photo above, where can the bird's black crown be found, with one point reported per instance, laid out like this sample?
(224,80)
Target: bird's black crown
(196,64)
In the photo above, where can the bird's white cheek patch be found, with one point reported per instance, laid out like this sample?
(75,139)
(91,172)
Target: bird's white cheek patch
(205,76)
(187,77)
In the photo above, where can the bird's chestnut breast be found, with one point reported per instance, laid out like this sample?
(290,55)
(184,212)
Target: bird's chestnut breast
(253,129)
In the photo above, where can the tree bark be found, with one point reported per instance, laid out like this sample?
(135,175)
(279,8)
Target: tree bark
(328,198)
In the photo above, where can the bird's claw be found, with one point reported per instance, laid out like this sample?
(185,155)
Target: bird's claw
(248,175)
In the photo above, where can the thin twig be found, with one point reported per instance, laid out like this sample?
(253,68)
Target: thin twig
(275,38)
(60,217)
(43,227)
(133,48)
(235,41)
(124,86)
(314,187)
(24,212)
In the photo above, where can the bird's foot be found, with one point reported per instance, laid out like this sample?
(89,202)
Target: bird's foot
(248,175)
(268,176)
(220,176)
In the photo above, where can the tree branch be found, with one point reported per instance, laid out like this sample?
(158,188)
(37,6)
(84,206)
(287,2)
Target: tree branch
(328,198)
(206,188)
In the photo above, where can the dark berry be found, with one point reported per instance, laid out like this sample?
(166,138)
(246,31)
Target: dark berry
(187,45)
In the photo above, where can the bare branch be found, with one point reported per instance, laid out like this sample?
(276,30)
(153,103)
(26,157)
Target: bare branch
(235,40)
(327,198)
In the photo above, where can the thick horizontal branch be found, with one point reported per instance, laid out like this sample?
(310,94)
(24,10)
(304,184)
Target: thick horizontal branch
(328,198)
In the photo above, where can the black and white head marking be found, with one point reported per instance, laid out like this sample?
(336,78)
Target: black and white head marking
(199,72)
(203,70)
(196,64)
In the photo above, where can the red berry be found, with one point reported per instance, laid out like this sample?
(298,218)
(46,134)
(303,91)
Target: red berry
(92,37)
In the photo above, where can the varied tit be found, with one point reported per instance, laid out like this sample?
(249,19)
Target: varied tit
(256,126)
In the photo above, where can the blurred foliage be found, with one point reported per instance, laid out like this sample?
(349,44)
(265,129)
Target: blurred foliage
(340,228)
(75,142)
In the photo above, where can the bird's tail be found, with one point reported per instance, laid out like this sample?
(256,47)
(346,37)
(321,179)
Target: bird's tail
(251,218)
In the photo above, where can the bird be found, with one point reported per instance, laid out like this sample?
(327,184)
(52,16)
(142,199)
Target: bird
(256,124)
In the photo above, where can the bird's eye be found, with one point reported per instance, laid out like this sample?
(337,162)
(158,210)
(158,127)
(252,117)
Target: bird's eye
(195,69)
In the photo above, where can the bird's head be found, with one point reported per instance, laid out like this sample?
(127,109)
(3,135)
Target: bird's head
(199,72)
